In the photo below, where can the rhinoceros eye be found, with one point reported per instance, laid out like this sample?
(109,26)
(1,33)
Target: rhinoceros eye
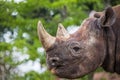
(76,49)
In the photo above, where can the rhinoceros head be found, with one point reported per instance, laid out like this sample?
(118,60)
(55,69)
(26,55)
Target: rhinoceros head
(74,55)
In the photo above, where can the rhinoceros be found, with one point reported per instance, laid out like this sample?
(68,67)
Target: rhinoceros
(95,44)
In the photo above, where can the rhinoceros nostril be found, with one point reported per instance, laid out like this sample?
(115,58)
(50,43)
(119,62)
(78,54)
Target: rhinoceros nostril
(54,61)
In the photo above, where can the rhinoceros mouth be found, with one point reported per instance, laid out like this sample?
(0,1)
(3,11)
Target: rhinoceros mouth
(68,72)
(55,68)
(64,67)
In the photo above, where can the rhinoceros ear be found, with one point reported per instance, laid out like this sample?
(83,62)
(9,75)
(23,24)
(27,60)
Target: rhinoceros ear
(108,18)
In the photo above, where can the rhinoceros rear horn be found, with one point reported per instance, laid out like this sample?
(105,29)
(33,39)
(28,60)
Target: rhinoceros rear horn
(46,39)
(61,32)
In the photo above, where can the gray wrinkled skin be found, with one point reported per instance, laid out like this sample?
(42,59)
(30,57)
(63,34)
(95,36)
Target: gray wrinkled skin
(96,43)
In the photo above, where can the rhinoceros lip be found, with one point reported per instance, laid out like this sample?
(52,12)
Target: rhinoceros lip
(62,66)
(54,69)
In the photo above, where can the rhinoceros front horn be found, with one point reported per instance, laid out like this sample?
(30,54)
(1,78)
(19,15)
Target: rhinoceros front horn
(61,32)
(46,39)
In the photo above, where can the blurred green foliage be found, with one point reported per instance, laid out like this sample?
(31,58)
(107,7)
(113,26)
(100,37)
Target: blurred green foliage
(19,18)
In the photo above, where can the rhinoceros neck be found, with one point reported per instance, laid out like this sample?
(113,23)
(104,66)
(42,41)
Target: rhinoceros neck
(112,39)
(117,48)
(110,42)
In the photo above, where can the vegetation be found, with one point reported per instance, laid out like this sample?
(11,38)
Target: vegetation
(18,35)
